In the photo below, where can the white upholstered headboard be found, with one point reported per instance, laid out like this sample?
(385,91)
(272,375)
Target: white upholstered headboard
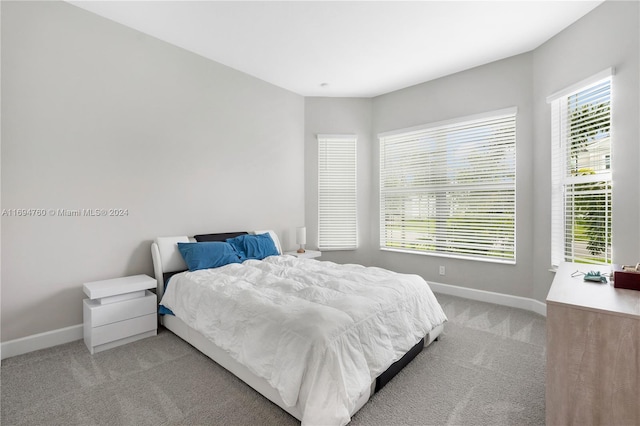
(167,258)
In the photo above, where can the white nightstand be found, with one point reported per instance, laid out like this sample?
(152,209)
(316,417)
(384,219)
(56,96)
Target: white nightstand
(119,311)
(309,254)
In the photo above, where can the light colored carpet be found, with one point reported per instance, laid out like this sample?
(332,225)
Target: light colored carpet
(486,369)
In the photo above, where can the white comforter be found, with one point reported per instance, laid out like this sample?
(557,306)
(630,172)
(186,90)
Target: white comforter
(318,332)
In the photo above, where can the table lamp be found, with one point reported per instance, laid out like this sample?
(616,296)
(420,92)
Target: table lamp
(301,238)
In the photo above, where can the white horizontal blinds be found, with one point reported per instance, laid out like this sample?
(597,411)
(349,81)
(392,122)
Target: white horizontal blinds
(450,189)
(337,192)
(581,175)
(558,128)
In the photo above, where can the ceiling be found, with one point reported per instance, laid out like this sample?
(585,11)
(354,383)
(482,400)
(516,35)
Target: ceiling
(348,48)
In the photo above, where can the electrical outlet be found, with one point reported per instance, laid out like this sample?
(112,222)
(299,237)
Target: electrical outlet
(441,270)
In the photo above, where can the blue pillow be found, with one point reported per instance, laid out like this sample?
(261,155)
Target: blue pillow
(208,254)
(254,246)
(162,310)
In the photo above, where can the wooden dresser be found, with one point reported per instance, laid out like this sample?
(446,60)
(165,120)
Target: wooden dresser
(593,351)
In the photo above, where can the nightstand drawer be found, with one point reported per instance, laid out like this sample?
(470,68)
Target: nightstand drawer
(120,330)
(96,315)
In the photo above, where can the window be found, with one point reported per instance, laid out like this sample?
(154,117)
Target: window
(448,188)
(337,192)
(581,172)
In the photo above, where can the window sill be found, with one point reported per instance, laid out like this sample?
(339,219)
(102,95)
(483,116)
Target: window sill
(450,256)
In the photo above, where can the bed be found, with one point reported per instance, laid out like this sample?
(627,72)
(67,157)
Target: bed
(314,337)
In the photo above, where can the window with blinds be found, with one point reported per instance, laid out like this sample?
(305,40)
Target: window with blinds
(337,192)
(449,188)
(581,172)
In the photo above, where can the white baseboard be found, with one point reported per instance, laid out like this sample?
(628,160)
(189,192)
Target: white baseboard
(75,332)
(491,297)
(41,341)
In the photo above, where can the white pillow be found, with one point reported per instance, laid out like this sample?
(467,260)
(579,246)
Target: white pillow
(274,237)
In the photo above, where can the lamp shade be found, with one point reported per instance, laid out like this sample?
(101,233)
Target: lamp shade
(301,235)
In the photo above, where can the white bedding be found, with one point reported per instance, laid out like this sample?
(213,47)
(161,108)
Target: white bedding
(318,332)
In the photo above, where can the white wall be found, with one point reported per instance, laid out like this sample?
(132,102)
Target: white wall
(498,85)
(96,115)
(340,116)
(494,86)
(606,37)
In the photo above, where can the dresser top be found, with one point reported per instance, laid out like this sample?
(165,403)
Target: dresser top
(117,286)
(600,297)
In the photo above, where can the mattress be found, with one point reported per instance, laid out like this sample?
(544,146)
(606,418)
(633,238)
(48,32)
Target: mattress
(317,333)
